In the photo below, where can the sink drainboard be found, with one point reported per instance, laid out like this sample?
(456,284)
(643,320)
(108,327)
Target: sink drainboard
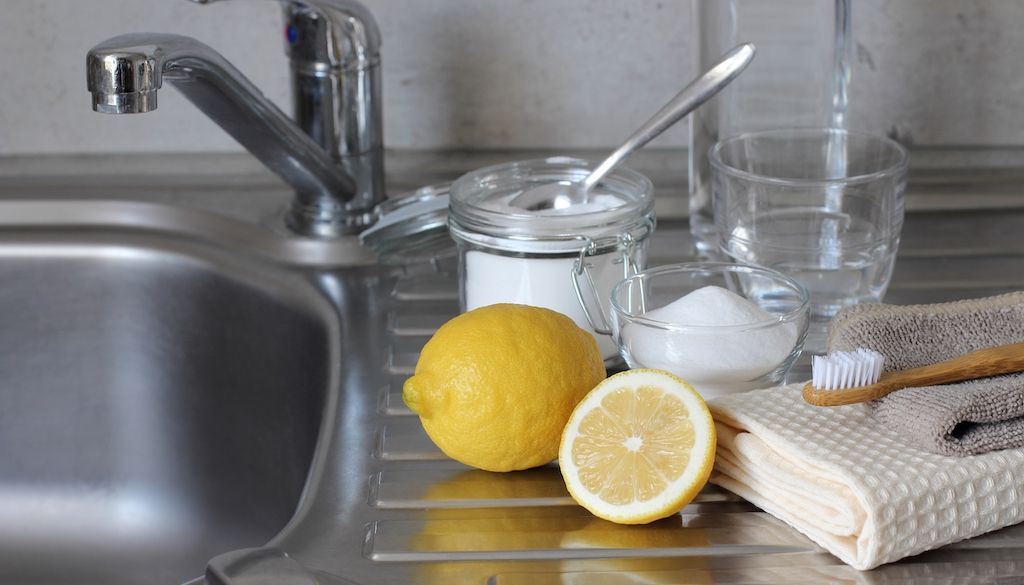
(447,523)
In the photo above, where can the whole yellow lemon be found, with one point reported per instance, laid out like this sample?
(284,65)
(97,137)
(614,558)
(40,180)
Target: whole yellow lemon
(495,386)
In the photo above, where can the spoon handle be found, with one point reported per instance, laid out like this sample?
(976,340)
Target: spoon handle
(687,100)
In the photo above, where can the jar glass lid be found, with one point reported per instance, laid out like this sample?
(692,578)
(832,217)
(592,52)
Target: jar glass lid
(412,225)
(480,200)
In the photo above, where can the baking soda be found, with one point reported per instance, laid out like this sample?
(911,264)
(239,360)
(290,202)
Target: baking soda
(715,362)
(521,274)
(541,282)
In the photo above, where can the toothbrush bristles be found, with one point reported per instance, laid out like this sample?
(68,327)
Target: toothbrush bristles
(846,369)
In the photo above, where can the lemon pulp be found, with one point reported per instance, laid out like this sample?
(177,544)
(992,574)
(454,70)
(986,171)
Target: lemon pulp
(638,447)
(634,445)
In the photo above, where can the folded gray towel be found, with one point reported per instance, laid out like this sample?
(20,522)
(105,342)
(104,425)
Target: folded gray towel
(952,419)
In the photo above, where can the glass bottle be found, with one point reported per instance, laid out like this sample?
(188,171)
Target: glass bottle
(799,79)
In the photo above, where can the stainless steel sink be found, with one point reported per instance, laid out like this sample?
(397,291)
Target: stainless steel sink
(177,383)
(160,400)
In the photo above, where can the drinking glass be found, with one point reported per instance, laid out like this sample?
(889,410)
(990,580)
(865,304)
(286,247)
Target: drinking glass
(822,205)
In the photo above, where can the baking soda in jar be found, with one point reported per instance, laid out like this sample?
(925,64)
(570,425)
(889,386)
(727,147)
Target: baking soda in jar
(542,282)
(557,259)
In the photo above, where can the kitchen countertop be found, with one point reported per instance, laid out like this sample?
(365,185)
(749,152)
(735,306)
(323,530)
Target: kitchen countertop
(385,506)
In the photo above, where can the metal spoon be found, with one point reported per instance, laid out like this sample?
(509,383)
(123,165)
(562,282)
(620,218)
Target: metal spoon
(564,194)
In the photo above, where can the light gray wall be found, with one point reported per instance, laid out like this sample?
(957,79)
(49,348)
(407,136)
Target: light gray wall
(509,73)
(944,72)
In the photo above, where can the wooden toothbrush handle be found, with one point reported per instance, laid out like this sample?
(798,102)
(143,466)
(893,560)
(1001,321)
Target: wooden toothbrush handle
(982,363)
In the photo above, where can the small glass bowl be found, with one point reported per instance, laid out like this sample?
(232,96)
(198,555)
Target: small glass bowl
(715,359)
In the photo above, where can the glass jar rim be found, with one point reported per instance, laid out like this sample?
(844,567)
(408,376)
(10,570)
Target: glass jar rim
(786,317)
(474,187)
(899,166)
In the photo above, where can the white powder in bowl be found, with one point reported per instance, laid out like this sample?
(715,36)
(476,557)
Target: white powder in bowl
(715,362)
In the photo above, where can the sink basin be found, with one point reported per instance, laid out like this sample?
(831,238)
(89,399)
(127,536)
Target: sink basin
(160,402)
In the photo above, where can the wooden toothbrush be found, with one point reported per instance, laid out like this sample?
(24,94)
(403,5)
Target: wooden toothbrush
(857,377)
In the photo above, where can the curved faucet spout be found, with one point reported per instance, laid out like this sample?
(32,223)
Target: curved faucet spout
(333,47)
(125,73)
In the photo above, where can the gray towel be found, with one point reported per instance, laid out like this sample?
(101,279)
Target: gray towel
(952,419)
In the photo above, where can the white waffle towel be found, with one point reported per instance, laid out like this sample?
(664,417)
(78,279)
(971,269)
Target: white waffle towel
(852,486)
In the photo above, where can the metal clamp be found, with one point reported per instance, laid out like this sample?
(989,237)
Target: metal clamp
(585,286)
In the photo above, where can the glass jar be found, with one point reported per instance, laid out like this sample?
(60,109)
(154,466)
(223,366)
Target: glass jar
(567,260)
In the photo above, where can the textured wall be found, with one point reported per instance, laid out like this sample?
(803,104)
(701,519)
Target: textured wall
(940,71)
(509,73)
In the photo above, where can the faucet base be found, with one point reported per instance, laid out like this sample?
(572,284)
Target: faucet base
(320,222)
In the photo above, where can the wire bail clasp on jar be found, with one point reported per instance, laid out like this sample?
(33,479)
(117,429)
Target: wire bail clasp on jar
(583,280)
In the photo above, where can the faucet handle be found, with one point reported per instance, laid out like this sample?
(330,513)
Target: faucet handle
(329,34)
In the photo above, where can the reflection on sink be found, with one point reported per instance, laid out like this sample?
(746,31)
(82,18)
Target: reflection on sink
(160,403)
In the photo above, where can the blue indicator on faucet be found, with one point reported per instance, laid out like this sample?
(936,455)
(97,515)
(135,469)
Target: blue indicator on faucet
(291,34)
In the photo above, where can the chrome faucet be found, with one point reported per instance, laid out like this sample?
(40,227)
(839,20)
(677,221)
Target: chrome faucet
(332,154)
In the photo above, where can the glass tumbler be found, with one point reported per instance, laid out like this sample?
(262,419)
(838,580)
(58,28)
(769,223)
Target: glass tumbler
(822,205)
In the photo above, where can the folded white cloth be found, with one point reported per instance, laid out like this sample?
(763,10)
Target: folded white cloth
(854,487)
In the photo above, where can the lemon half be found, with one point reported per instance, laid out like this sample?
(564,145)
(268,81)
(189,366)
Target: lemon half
(638,447)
